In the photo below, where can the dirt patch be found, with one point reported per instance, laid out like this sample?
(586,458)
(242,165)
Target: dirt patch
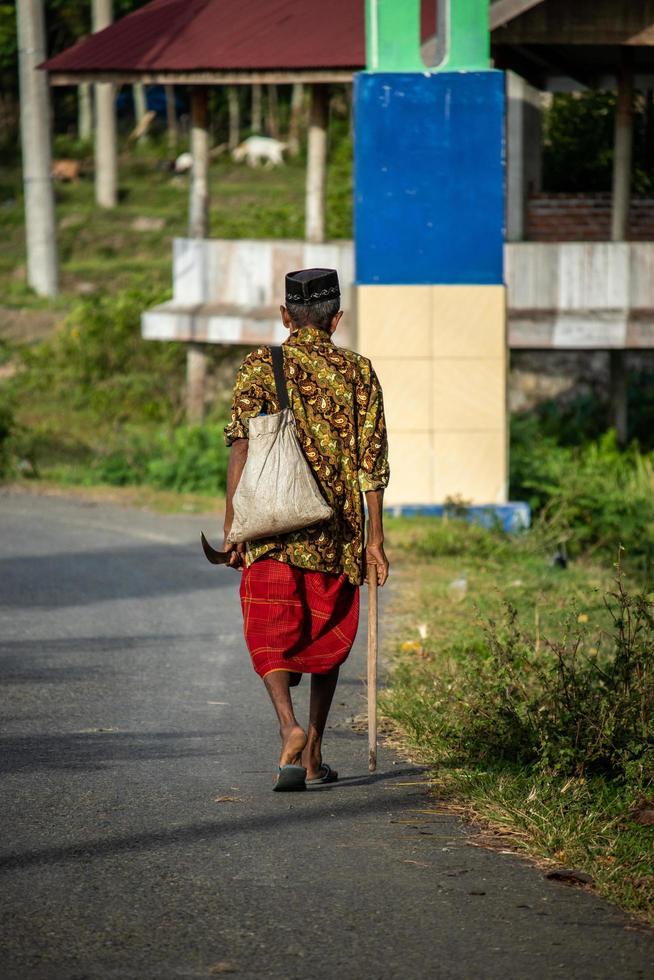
(28,326)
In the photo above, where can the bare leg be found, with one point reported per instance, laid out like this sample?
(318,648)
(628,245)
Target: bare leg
(322,693)
(292,735)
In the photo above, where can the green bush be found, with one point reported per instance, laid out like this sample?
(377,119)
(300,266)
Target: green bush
(17,456)
(584,418)
(7,427)
(187,459)
(195,459)
(455,536)
(581,704)
(578,144)
(100,363)
(593,498)
(71,148)
(339,187)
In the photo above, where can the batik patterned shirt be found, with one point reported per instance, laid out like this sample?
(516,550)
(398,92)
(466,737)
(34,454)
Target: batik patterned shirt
(339,412)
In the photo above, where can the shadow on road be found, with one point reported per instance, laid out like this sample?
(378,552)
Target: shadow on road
(306,808)
(74,578)
(95,750)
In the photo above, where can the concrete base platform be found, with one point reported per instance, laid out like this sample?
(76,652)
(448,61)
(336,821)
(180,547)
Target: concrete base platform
(511,517)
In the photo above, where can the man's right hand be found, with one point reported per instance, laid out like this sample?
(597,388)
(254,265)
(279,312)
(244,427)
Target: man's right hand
(237,554)
(375,555)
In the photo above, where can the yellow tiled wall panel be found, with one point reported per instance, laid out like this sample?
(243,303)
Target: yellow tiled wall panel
(394,321)
(468,394)
(407,387)
(468,321)
(471,465)
(440,353)
(410,459)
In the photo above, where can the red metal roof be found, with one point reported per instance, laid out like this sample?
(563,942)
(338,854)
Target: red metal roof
(224,35)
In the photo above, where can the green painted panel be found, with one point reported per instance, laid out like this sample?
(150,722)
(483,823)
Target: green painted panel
(469,36)
(393,35)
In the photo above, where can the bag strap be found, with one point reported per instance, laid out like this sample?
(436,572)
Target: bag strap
(280,378)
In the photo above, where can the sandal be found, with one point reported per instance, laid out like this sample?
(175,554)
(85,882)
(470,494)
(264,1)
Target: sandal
(328,775)
(290,779)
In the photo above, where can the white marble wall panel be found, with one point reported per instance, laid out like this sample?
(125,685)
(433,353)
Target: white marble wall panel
(641,275)
(582,276)
(593,275)
(603,330)
(161,323)
(189,276)
(249,272)
(532,275)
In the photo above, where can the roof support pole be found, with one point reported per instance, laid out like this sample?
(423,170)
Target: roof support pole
(272,116)
(255,124)
(198,213)
(316,164)
(295,124)
(622,153)
(140,108)
(523,135)
(106,160)
(198,227)
(233,103)
(622,148)
(42,271)
(84,111)
(171,118)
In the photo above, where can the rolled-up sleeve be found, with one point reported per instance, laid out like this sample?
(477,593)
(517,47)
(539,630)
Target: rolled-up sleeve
(248,401)
(374,471)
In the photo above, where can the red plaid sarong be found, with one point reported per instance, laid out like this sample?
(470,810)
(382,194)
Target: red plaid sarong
(295,619)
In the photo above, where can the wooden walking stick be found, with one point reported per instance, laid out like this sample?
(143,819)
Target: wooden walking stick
(372,666)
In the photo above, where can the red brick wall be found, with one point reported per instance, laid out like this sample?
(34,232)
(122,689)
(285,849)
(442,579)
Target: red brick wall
(584,218)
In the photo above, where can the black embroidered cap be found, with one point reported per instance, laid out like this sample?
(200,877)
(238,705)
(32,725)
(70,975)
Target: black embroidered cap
(308,286)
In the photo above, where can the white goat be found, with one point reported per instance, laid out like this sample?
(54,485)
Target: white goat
(257,148)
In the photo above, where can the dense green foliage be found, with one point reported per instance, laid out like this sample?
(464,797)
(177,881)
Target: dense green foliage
(339,183)
(66,21)
(590,498)
(99,362)
(187,458)
(585,417)
(578,143)
(98,404)
(7,430)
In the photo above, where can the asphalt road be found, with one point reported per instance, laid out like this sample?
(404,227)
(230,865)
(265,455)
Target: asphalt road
(140,838)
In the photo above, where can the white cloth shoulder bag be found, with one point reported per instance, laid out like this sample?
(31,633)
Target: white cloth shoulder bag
(277,492)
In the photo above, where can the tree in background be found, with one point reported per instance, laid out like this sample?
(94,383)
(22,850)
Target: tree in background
(578,143)
(66,22)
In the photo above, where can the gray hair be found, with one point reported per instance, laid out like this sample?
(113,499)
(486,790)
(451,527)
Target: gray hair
(315,314)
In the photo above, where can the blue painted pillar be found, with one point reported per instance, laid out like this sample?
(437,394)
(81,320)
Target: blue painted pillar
(429,235)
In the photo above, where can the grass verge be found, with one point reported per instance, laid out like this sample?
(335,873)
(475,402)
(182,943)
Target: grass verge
(454,584)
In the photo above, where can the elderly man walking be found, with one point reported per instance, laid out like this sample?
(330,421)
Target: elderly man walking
(300,591)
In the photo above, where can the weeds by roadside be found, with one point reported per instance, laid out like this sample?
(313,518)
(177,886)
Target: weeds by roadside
(531,692)
(97,404)
(590,498)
